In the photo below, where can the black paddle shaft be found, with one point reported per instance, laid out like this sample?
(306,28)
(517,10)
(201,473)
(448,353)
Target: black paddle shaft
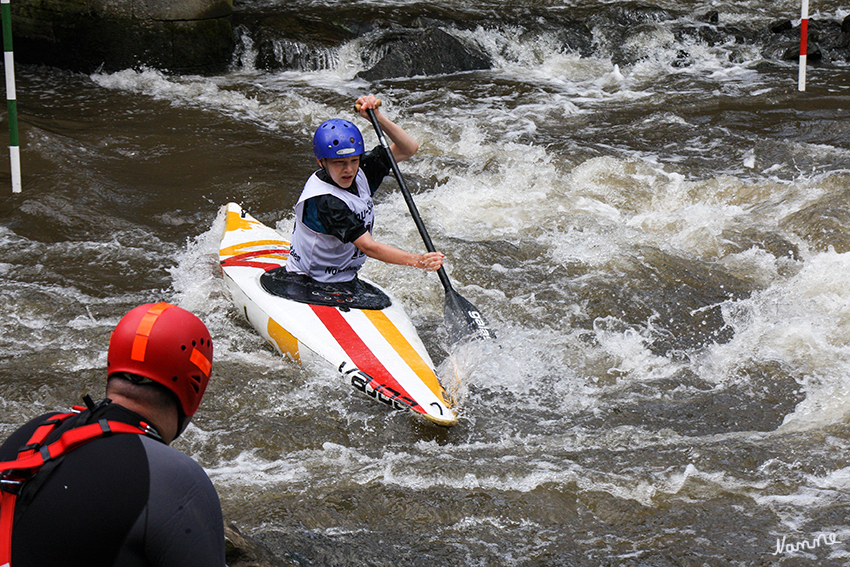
(464,319)
(408,198)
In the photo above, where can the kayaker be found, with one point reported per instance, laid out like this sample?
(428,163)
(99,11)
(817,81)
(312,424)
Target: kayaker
(120,495)
(334,216)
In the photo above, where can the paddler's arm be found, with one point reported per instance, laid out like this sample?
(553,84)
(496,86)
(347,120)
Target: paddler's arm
(430,261)
(403,146)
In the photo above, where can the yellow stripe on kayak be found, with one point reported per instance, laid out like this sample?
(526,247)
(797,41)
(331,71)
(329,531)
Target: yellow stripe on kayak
(389,331)
(235,221)
(243,247)
(287,344)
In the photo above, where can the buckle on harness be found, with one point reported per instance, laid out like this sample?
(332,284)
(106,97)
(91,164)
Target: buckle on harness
(104,426)
(148,430)
(11,486)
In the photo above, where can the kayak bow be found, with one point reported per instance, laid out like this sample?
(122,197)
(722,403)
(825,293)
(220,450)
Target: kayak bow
(374,347)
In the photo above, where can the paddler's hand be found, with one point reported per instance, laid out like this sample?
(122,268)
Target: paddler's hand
(431,261)
(364,103)
(403,146)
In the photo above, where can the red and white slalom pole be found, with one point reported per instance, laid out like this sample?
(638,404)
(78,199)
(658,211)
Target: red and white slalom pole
(804,38)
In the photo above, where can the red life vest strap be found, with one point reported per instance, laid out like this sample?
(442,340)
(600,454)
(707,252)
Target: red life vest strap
(41,434)
(34,455)
(69,441)
(7,516)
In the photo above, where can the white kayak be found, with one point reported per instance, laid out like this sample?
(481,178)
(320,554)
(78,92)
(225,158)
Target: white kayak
(356,327)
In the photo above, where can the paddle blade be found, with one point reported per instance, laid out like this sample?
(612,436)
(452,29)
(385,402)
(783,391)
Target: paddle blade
(464,321)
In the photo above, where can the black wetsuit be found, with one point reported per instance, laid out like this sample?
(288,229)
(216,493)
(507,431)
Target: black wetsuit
(124,500)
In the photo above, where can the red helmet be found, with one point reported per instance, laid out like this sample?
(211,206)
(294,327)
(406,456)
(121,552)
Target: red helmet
(166,344)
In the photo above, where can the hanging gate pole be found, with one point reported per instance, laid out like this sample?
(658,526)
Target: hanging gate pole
(804,38)
(11,100)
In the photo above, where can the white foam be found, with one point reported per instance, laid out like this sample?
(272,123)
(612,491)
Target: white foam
(801,323)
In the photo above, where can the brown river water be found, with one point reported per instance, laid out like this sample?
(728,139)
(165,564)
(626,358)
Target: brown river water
(662,244)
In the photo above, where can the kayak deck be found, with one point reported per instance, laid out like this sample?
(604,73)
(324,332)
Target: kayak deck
(355,294)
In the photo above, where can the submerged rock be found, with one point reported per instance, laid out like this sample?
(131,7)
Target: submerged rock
(245,551)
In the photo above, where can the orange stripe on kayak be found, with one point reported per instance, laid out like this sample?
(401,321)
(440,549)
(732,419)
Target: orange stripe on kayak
(403,347)
(361,355)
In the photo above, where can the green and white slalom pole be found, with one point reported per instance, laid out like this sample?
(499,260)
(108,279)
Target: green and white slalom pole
(11,100)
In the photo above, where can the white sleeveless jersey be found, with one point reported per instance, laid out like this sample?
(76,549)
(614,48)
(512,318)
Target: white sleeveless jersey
(323,257)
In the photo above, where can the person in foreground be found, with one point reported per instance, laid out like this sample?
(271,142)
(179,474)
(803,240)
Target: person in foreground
(119,495)
(334,215)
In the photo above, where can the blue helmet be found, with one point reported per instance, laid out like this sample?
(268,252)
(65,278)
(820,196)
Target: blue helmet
(337,138)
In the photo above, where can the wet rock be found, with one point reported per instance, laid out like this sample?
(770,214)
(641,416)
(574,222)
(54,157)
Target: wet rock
(781,26)
(293,38)
(287,54)
(431,51)
(712,17)
(190,36)
(245,551)
(828,42)
(832,40)
(683,59)
(813,53)
(636,14)
(713,34)
(572,35)
(629,32)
